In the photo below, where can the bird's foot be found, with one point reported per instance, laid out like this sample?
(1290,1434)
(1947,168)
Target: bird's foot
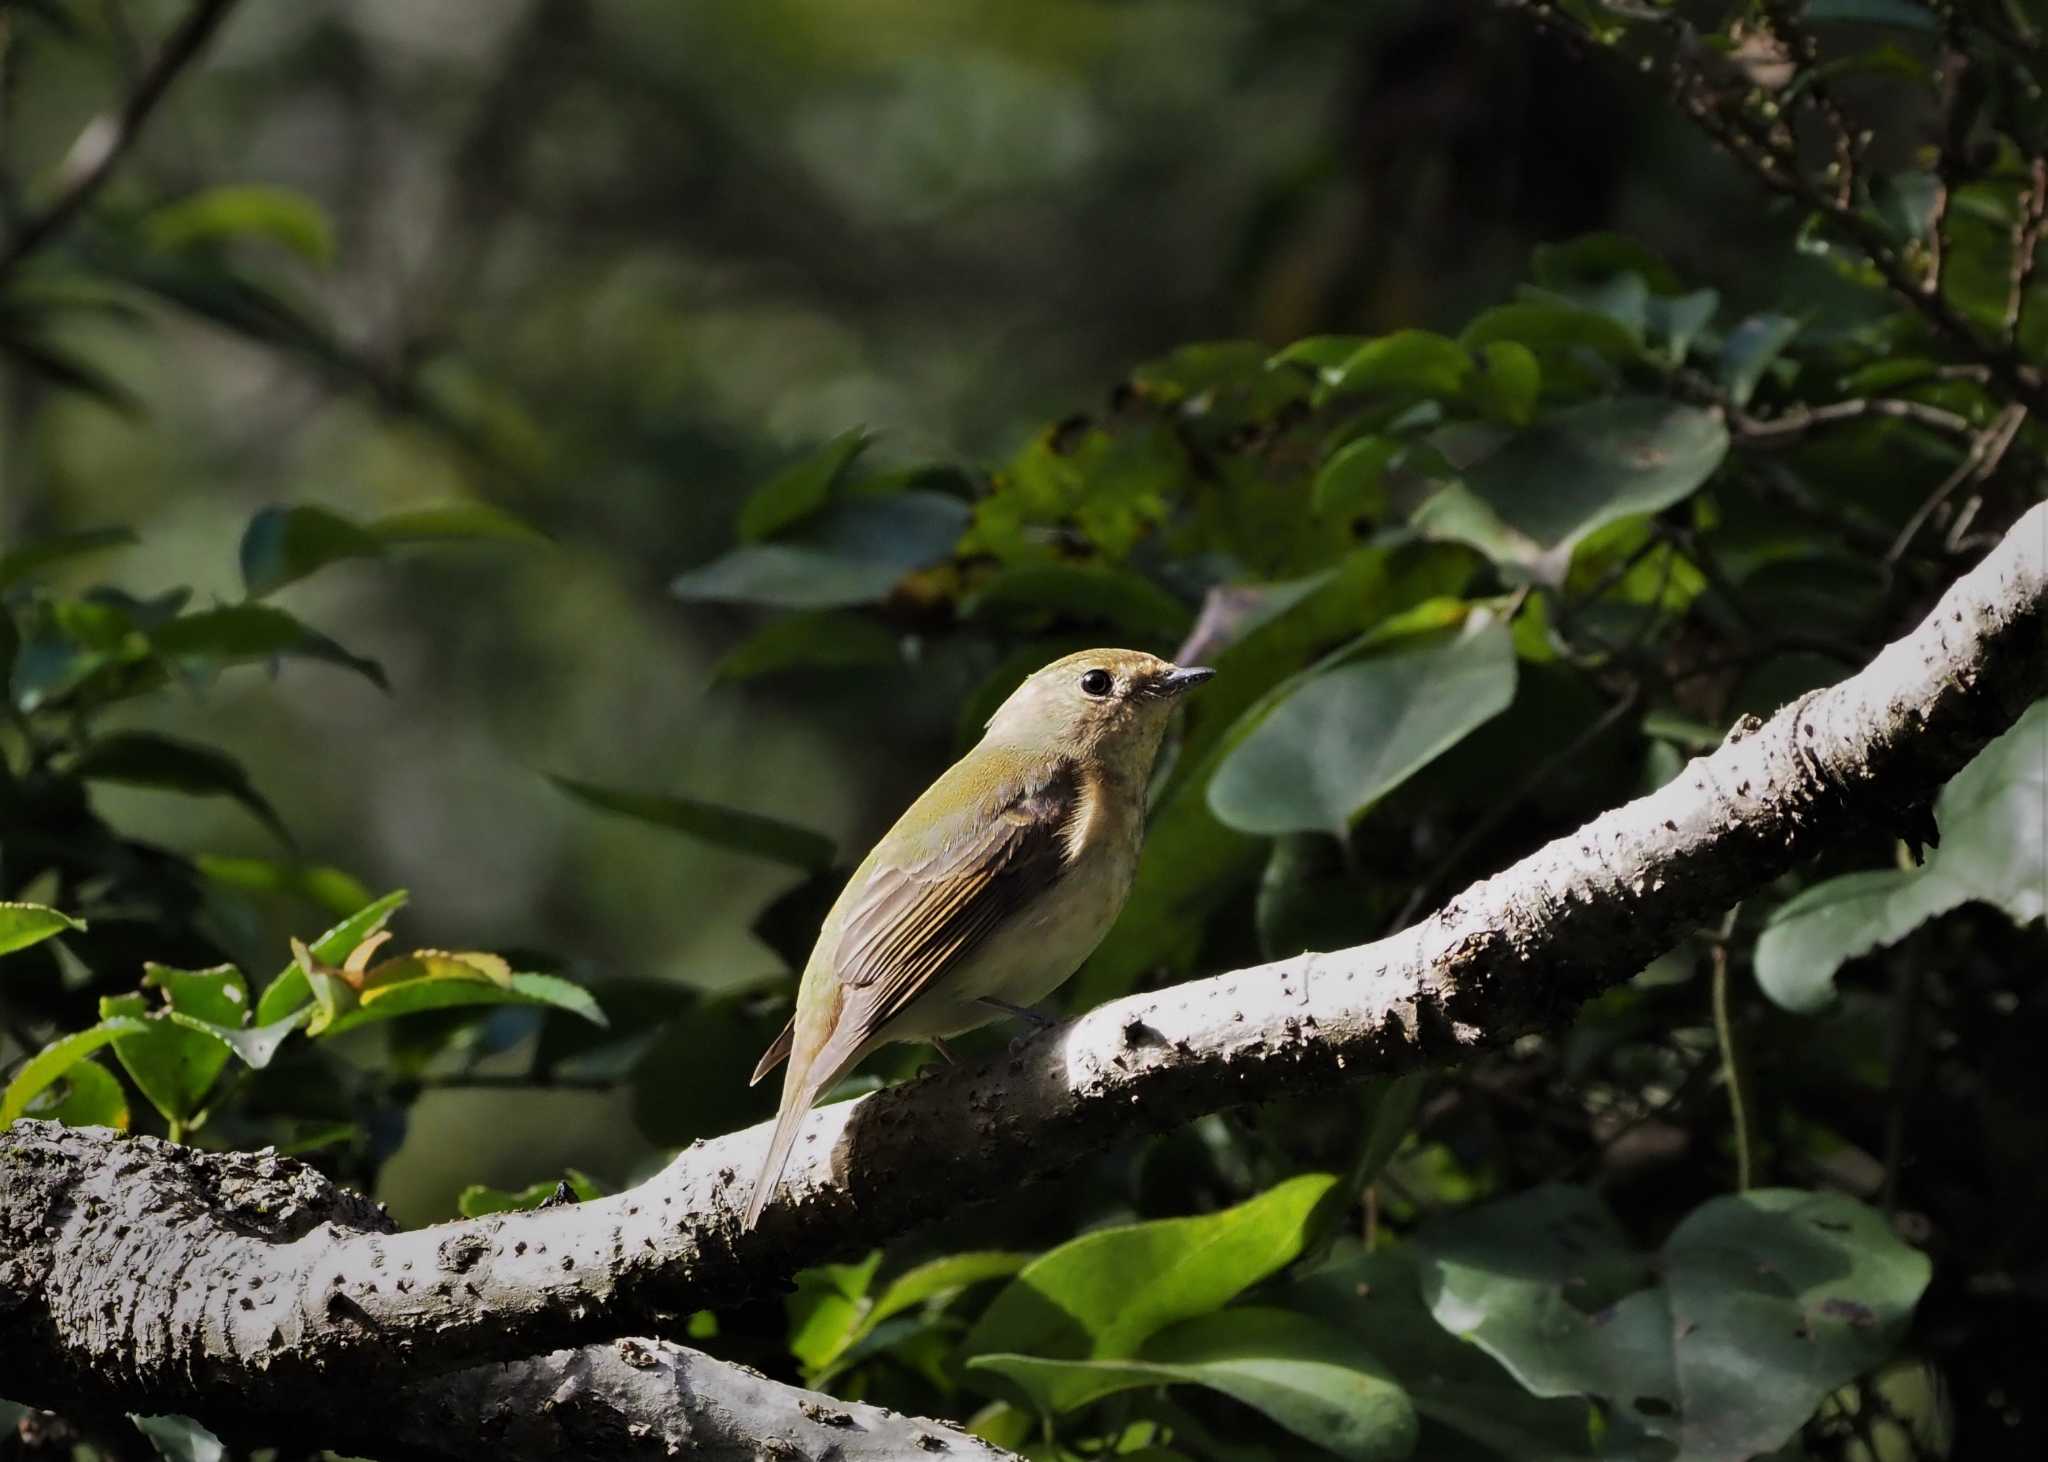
(946,1058)
(1022,1012)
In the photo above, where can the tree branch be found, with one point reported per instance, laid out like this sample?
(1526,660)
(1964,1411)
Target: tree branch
(182,1297)
(107,138)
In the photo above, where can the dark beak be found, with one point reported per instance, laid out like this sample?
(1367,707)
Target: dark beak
(1186,678)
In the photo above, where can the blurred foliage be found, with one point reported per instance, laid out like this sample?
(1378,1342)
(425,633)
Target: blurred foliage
(422,346)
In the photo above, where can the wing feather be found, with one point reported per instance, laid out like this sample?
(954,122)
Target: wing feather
(914,922)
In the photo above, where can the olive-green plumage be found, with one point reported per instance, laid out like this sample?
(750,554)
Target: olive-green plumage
(992,888)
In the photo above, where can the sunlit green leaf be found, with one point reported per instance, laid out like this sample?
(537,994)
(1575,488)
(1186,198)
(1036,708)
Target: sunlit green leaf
(477,1200)
(239,211)
(24,924)
(290,989)
(86,1095)
(55,1059)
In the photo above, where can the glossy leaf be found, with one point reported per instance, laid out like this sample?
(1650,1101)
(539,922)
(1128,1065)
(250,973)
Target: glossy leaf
(1528,501)
(1408,360)
(55,1059)
(174,1063)
(1994,849)
(24,924)
(1317,1382)
(725,827)
(800,492)
(290,990)
(1105,1293)
(146,759)
(256,1045)
(1346,737)
(445,984)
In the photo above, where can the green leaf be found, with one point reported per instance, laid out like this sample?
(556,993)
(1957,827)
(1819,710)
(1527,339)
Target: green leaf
(445,983)
(800,492)
(1680,319)
(69,641)
(1554,330)
(1508,382)
(851,552)
(241,633)
(1034,594)
(940,1279)
(70,371)
(146,759)
(1347,736)
(256,1045)
(1461,1393)
(825,640)
(290,989)
(323,885)
(1749,350)
(282,545)
(1408,360)
(243,210)
(1105,1293)
(1325,354)
(725,827)
(456,522)
(1777,1298)
(1593,259)
(42,553)
(825,1308)
(57,1058)
(477,1200)
(179,1438)
(1769,1300)
(86,1095)
(1994,849)
(1317,1382)
(175,1063)
(1353,482)
(24,924)
(1529,500)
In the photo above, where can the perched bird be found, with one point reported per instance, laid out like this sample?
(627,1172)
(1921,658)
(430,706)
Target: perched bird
(993,888)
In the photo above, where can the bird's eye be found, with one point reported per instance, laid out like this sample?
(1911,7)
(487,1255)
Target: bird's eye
(1096,682)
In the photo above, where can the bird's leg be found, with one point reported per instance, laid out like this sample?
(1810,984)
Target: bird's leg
(940,1046)
(1022,1012)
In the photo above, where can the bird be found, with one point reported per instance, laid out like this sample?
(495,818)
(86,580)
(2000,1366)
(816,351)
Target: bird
(991,888)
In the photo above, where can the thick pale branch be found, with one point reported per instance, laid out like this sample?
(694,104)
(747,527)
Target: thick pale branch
(138,1304)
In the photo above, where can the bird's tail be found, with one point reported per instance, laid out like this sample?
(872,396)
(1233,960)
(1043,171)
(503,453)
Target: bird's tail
(795,1107)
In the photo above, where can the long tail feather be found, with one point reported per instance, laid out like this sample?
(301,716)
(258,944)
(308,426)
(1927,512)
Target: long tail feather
(795,1107)
(776,1054)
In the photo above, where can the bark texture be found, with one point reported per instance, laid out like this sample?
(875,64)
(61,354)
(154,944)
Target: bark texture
(231,1279)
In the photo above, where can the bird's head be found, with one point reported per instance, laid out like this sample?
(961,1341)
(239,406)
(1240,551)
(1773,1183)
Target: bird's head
(1095,703)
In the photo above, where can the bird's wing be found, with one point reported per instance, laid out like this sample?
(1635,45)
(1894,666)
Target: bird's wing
(915,919)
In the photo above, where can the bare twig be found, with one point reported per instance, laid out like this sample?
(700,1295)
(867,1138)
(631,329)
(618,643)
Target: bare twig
(1987,450)
(2026,240)
(1797,420)
(108,137)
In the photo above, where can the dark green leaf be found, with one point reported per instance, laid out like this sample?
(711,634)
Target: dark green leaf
(42,553)
(1994,848)
(1346,737)
(825,640)
(1902,13)
(852,552)
(1033,594)
(725,827)
(800,492)
(282,545)
(1353,481)
(242,633)
(1528,501)
(145,759)
(1749,351)
(1597,258)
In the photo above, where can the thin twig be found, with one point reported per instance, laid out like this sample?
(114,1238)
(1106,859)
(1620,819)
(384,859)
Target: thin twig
(108,137)
(1985,453)
(2026,240)
(1799,419)
(1724,1033)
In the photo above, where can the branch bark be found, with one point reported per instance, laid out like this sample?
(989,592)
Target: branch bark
(180,1296)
